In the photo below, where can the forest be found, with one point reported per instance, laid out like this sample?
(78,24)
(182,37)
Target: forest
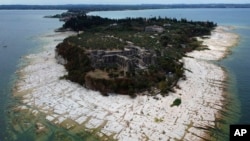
(178,38)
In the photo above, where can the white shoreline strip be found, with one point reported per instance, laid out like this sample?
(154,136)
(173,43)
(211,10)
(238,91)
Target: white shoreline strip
(130,119)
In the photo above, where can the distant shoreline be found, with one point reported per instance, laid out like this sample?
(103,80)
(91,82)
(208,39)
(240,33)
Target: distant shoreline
(111,7)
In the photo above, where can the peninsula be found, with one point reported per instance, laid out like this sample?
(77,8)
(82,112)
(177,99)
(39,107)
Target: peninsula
(175,50)
(129,56)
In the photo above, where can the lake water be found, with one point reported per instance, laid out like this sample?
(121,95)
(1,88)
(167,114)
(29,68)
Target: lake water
(20,32)
(19,35)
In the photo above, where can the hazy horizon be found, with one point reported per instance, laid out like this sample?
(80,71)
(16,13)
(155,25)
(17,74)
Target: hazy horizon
(123,2)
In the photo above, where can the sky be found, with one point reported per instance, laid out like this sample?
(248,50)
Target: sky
(60,2)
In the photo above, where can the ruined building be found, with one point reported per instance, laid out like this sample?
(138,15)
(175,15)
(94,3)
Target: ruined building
(131,58)
(154,28)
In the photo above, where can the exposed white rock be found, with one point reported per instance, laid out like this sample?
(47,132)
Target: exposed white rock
(129,119)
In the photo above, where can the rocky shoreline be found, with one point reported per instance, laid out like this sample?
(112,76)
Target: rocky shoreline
(117,116)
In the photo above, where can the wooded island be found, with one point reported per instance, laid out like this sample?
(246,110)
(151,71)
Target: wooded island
(128,56)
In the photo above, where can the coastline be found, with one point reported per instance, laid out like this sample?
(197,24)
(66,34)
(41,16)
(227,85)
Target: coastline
(120,117)
(219,45)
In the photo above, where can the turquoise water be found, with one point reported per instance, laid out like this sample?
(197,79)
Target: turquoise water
(19,35)
(20,32)
(238,64)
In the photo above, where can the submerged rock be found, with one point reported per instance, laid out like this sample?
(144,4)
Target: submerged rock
(40,127)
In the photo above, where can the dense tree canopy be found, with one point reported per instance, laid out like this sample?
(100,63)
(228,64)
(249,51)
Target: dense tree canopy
(178,37)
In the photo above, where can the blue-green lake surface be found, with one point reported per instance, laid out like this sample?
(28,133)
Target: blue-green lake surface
(19,35)
(20,31)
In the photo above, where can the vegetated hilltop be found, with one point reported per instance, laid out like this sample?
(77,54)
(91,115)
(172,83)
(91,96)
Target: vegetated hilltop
(129,56)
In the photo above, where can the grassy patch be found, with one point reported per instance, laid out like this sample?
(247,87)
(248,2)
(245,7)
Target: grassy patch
(158,120)
(176,102)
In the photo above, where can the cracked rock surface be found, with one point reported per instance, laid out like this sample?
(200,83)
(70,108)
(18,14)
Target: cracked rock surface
(119,116)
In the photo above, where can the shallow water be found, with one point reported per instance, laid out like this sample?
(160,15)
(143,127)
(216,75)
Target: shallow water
(20,33)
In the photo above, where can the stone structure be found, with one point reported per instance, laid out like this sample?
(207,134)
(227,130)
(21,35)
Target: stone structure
(154,28)
(131,58)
